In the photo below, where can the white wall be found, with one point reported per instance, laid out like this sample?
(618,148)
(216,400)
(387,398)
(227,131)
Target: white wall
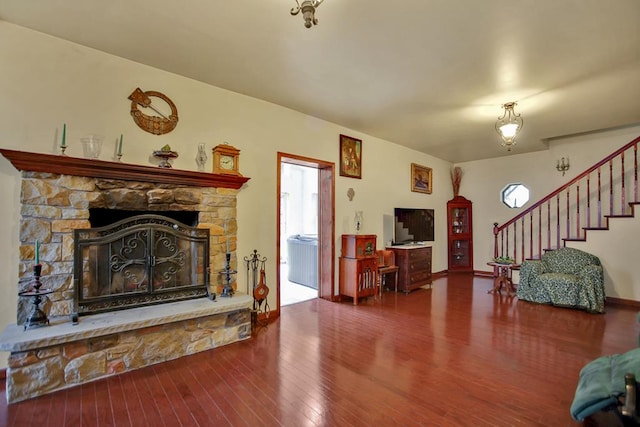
(46,82)
(537,171)
(618,256)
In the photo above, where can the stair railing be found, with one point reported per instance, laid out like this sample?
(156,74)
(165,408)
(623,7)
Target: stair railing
(607,189)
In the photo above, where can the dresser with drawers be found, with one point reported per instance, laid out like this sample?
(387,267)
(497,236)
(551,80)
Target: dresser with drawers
(415,266)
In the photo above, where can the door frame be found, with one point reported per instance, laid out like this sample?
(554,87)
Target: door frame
(326,221)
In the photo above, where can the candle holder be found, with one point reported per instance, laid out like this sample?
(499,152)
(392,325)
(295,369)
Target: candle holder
(62,149)
(561,166)
(119,156)
(37,317)
(227,290)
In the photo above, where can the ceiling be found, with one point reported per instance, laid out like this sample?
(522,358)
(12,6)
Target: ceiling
(427,74)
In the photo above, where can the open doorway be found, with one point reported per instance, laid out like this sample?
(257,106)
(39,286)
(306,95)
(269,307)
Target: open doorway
(298,233)
(305,229)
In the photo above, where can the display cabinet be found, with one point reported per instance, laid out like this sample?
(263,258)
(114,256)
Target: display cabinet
(460,235)
(358,266)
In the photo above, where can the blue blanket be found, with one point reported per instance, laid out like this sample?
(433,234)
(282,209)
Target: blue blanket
(602,382)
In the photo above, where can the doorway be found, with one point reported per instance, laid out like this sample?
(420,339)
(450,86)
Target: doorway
(305,212)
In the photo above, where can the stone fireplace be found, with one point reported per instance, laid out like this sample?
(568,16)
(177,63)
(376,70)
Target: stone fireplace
(59,194)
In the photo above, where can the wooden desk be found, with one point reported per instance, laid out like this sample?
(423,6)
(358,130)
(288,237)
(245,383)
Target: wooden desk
(503,278)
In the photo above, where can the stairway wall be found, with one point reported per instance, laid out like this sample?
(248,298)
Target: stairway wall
(483,181)
(619,251)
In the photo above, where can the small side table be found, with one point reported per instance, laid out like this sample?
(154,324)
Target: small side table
(503,278)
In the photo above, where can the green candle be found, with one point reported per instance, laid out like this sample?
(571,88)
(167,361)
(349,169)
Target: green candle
(37,252)
(120,145)
(64,135)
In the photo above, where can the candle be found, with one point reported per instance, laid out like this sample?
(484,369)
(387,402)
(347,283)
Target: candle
(64,135)
(37,252)
(225,234)
(120,145)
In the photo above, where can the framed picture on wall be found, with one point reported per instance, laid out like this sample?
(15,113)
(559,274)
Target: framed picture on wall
(421,179)
(350,157)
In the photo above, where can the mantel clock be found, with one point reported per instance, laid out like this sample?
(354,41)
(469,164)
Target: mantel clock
(226,160)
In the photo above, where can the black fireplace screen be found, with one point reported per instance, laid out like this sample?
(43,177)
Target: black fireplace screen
(143,260)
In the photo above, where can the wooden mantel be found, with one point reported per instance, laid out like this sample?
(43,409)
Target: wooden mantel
(77,166)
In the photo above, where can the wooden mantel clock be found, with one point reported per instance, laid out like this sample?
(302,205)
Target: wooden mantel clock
(226,160)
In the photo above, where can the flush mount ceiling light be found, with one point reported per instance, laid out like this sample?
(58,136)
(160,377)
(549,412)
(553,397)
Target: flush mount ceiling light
(308,8)
(508,126)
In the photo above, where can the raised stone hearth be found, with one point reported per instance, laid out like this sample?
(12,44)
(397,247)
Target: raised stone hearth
(58,193)
(63,355)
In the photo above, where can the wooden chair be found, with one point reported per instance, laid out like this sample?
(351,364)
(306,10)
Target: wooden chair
(386,265)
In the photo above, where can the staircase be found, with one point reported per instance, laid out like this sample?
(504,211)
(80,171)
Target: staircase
(608,189)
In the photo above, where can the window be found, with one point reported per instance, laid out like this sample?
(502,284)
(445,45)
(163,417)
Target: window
(515,195)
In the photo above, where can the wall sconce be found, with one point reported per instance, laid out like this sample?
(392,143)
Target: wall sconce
(308,8)
(561,166)
(508,125)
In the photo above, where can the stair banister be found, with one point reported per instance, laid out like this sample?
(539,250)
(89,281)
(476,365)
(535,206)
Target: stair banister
(497,229)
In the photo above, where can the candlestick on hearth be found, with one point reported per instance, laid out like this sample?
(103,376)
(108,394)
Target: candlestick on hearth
(37,317)
(227,290)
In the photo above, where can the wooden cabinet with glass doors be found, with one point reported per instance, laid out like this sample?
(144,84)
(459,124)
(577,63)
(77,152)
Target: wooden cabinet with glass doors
(460,235)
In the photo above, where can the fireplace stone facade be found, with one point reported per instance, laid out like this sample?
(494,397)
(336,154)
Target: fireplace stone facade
(54,205)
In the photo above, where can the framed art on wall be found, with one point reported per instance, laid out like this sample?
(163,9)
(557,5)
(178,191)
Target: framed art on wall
(421,179)
(350,157)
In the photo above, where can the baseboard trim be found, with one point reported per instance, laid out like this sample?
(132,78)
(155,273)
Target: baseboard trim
(622,301)
(608,301)
(482,273)
(439,274)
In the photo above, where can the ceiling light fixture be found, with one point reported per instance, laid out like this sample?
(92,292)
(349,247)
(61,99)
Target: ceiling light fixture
(508,126)
(308,8)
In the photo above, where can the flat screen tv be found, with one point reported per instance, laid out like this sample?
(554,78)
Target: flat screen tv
(413,225)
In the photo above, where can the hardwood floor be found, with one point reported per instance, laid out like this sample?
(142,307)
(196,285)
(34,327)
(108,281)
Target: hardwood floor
(450,356)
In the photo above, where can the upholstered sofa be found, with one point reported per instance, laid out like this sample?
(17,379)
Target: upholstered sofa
(564,277)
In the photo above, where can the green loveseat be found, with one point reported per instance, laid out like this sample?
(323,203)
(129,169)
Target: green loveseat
(564,277)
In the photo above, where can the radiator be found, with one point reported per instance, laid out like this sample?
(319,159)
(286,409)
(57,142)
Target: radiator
(302,260)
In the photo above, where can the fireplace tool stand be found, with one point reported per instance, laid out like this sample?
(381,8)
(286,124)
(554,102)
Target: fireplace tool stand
(256,278)
(227,290)
(37,317)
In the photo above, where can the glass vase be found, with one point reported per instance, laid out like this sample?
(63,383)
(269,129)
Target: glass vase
(358,222)
(201,158)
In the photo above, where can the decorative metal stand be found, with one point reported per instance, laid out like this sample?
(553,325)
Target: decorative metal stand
(37,317)
(255,264)
(227,291)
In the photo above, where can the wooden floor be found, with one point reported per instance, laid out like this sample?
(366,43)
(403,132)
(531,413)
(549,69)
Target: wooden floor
(450,356)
